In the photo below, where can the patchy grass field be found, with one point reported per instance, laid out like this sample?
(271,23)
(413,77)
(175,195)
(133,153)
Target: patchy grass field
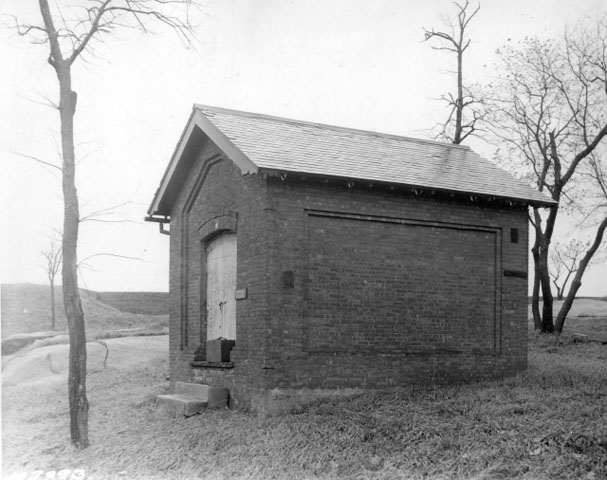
(548,423)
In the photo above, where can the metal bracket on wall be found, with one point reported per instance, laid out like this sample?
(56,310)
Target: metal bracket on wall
(515,273)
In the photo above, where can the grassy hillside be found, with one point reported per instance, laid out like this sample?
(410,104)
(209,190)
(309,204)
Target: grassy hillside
(26,308)
(150,303)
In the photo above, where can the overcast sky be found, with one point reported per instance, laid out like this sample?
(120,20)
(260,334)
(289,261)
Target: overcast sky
(353,63)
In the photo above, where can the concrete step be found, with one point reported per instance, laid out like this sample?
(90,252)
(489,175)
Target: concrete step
(192,398)
(182,404)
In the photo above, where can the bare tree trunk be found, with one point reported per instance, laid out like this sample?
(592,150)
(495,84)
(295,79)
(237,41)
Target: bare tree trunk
(564,286)
(547,298)
(540,250)
(541,282)
(78,402)
(53,261)
(53,316)
(535,296)
(66,44)
(577,280)
(459,107)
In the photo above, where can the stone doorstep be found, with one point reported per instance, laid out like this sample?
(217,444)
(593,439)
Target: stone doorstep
(192,398)
(182,404)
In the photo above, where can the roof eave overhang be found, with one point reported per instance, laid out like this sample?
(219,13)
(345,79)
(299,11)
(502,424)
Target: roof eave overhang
(160,208)
(545,202)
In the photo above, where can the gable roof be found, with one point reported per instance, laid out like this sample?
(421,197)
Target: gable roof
(258,142)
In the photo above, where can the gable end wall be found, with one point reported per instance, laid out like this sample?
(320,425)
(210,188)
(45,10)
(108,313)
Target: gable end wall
(216,197)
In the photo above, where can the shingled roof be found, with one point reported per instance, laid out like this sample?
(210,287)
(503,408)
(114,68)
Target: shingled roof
(264,143)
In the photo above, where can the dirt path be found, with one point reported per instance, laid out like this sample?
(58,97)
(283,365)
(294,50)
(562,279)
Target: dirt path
(50,364)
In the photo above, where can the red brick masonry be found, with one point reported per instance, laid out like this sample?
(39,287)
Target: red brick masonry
(348,285)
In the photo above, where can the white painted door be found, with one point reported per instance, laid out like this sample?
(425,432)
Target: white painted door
(221,287)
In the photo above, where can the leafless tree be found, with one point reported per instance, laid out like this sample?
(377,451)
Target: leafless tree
(550,112)
(597,169)
(69,32)
(52,258)
(563,262)
(464,106)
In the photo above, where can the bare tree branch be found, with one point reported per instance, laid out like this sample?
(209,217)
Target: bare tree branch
(126,257)
(95,15)
(36,159)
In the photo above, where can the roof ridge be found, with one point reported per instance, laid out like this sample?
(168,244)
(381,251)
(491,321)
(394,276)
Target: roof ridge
(256,142)
(228,111)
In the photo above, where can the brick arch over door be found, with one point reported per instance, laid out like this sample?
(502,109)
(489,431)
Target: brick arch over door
(184,236)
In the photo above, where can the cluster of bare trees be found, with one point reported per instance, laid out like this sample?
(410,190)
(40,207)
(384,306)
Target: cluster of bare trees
(547,108)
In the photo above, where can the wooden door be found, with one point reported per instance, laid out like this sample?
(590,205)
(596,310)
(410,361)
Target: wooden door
(221,287)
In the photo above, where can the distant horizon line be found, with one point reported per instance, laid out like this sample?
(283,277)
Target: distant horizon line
(3,284)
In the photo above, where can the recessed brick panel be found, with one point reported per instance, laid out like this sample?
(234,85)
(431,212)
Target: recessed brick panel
(396,285)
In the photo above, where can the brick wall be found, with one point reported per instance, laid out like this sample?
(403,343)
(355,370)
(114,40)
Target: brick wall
(379,286)
(347,287)
(389,288)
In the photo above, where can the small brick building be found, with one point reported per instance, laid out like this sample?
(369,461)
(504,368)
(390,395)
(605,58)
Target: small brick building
(338,259)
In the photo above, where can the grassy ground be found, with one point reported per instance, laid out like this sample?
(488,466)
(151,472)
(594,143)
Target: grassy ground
(547,423)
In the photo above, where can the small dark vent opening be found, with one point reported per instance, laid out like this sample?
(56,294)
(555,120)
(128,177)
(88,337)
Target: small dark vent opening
(514,235)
